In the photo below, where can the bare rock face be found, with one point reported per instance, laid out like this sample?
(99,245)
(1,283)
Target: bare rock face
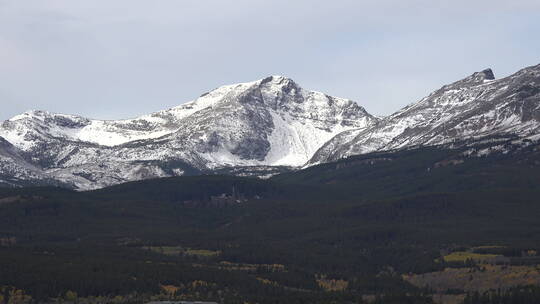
(269,122)
(260,127)
(470,109)
(16,171)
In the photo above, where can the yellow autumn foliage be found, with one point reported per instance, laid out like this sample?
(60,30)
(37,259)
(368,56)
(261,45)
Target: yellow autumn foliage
(198,283)
(332,284)
(266,281)
(462,256)
(71,295)
(170,289)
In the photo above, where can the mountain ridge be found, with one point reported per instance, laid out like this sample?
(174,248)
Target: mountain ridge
(271,121)
(253,128)
(474,107)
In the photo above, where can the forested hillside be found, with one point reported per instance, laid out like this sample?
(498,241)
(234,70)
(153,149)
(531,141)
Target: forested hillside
(368,228)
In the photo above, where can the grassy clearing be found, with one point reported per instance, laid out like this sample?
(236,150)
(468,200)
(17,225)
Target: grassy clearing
(166,250)
(462,256)
(331,284)
(202,252)
(177,250)
(488,247)
(225,265)
(267,282)
(480,279)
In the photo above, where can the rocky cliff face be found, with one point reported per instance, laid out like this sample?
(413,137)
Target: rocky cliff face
(260,127)
(16,171)
(269,122)
(476,107)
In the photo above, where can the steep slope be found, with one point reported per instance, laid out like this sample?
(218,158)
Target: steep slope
(16,171)
(264,127)
(269,122)
(475,107)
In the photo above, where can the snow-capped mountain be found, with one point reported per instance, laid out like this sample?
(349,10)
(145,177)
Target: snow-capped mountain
(269,122)
(257,128)
(476,107)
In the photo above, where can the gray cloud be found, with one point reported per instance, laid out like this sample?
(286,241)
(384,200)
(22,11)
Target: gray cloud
(120,58)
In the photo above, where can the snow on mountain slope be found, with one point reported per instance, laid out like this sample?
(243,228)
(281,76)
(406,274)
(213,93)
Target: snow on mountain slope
(269,122)
(475,107)
(266,123)
(16,171)
(22,128)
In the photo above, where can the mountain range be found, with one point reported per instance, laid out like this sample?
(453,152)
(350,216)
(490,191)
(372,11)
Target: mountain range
(263,127)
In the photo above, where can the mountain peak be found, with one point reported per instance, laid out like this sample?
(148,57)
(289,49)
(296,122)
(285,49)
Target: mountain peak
(479,77)
(277,79)
(267,122)
(486,74)
(472,80)
(28,114)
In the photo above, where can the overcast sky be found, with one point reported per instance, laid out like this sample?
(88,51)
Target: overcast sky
(120,58)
